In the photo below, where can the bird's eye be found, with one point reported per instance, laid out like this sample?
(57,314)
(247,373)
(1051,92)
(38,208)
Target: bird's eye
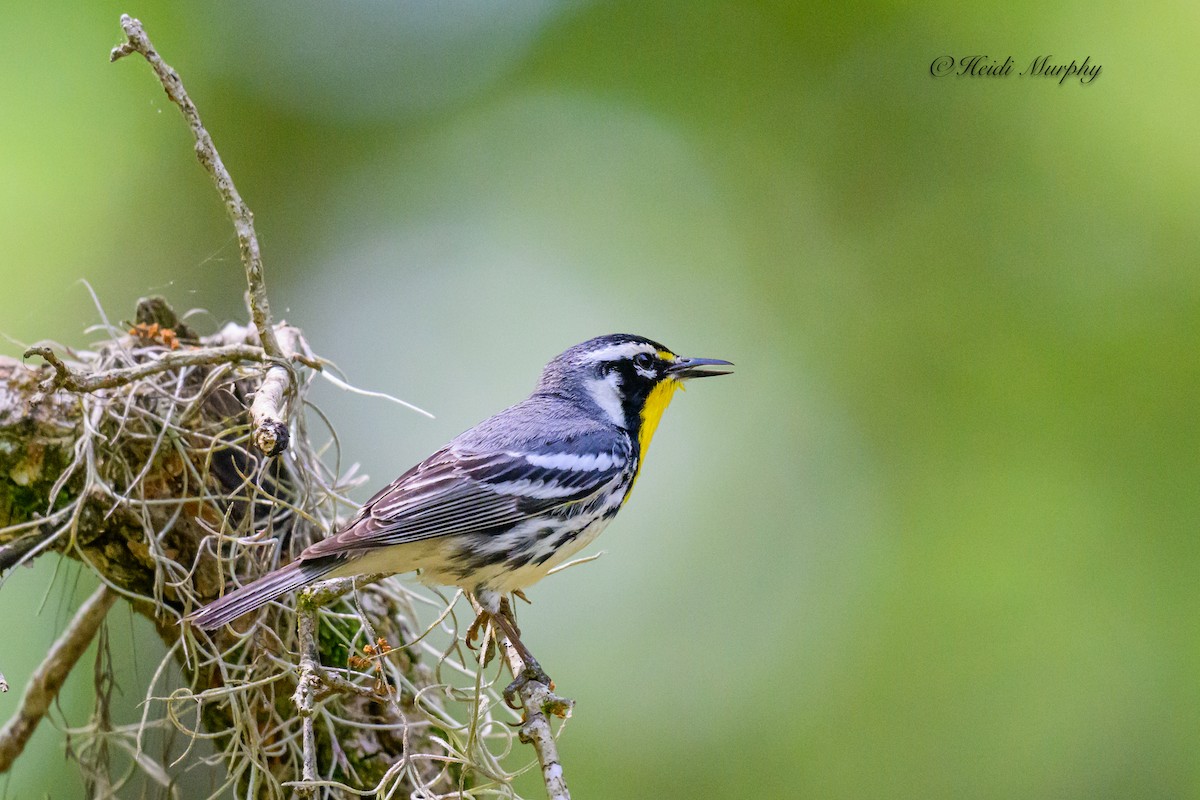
(643,360)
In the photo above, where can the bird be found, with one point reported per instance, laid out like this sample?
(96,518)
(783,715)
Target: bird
(504,503)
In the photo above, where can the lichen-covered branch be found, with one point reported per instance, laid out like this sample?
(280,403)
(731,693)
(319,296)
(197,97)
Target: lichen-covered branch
(48,678)
(307,685)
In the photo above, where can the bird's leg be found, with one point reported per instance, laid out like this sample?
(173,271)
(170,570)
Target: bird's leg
(507,612)
(532,672)
(476,627)
(497,607)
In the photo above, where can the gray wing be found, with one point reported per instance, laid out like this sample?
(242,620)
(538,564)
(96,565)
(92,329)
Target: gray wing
(457,490)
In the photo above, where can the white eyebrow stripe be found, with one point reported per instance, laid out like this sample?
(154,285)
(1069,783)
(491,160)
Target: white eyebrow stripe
(618,351)
(572,461)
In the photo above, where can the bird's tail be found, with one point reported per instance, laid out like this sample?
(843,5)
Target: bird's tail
(260,592)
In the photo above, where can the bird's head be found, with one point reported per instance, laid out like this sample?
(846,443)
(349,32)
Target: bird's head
(626,379)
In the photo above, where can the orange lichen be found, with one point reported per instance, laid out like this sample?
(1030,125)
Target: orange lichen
(155,333)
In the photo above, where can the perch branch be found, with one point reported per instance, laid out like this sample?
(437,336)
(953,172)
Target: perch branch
(48,678)
(537,700)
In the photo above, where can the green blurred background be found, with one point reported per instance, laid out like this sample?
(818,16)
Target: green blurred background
(936,539)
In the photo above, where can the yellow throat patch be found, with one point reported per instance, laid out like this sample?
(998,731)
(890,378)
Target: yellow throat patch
(652,411)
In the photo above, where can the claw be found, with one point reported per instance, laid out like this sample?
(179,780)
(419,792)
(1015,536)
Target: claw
(533,673)
(474,629)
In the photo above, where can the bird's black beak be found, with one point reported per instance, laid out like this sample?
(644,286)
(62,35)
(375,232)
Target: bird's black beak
(686,368)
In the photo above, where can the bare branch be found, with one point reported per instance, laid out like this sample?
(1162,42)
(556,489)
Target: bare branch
(267,411)
(48,678)
(66,378)
(243,220)
(313,679)
(306,690)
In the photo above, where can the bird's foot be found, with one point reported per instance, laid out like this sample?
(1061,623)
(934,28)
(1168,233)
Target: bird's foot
(533,673)
(475,629)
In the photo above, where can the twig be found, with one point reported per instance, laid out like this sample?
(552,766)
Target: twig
(270,426)
(12,552)
(136,41)
(267,409)
(313,682)
(537,700)
(306,689)
(66,378)
(49,676)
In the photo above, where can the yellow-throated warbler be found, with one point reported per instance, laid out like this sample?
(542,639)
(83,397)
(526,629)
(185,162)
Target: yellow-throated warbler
(508,500)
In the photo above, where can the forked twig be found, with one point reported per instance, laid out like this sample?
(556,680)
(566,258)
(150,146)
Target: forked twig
(136,41)
(270,428)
